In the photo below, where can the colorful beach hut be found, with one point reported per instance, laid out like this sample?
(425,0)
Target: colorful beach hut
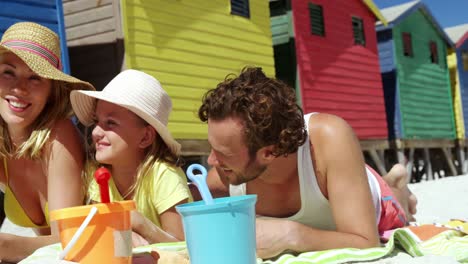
(418,97)
(457,60)
(48,13)
(189,45)
(327,49)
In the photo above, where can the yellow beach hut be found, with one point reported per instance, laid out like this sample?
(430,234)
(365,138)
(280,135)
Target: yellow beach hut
(457,60)
(188,45)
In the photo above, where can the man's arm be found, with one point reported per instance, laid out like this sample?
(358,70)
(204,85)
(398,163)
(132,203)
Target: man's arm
(341,175)
(340,157)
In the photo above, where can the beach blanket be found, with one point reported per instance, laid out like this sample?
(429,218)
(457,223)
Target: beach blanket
(450,239)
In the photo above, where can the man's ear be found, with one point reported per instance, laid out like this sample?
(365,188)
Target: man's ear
(265,154)
(148,138)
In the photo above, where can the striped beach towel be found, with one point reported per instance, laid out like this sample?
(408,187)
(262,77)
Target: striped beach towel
(420,240)
(448,242)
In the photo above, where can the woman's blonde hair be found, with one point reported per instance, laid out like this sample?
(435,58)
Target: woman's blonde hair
(57,107)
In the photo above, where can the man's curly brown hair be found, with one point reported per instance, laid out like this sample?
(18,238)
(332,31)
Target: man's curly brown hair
(266,106)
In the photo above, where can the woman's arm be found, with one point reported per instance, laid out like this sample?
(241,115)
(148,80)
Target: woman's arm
(64,163)
(16,248)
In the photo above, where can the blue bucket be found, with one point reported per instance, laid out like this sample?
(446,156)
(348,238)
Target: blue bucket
(223,232)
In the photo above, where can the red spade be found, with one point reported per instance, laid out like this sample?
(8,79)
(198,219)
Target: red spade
(102,176)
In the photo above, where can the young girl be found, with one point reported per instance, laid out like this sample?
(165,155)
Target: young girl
(40,149)
(131,139)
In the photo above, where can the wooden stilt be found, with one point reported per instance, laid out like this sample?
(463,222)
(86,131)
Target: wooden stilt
(410,164)
(427,161)
(378,161)
(449,159)
(401,156)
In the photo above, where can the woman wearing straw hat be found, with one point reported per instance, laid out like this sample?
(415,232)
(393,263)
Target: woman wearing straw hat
(41,150)
(130,137)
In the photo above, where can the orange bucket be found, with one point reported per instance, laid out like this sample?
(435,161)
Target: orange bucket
(106,239)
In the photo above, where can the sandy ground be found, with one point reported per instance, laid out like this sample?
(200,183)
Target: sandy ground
(438,201)
(442,200)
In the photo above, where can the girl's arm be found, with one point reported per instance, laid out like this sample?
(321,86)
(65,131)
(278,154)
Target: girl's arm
(171,223)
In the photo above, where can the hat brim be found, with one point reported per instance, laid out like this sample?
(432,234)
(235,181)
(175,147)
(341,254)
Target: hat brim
(46,70)
(84,104)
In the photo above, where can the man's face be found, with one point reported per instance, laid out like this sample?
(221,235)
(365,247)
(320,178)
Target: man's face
(229,154)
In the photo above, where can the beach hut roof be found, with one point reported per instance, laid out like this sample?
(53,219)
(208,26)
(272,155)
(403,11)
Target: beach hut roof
(458,34)
(395,14)
(372,7)
(370,4)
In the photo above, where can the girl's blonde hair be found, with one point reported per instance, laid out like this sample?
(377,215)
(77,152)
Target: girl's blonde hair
(157,152)
(57,107)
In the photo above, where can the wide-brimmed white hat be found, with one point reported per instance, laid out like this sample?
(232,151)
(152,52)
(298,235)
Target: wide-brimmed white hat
(137,91)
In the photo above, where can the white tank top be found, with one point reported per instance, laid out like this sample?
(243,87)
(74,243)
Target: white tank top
(315,210)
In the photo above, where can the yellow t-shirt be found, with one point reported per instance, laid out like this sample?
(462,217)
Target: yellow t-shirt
(160,191)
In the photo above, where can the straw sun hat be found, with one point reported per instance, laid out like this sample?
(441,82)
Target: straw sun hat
(136,91)
(39,48)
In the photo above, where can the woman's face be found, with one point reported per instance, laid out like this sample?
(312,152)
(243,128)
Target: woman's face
(118,134)
(23,93)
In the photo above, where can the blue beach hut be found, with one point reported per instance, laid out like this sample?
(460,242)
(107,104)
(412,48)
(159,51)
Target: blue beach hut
(48,13)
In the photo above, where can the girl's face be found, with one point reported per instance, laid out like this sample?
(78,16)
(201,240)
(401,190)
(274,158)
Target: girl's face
(118,134)
(23,93)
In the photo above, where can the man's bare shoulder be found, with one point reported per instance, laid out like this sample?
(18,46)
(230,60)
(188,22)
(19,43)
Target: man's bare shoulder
(331,136)
(326,127)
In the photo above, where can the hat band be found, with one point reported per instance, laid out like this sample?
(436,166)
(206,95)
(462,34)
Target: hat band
(36,49)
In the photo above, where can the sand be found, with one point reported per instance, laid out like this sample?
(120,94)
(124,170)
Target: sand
(441,200)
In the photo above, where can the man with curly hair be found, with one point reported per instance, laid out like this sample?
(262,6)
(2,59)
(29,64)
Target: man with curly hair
(314,191)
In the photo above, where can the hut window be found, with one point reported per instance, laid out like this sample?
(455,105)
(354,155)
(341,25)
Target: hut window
(279,7)
(433,50)
(407,45)
(465,60)
(316,19)
(240,8)
(358,31)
